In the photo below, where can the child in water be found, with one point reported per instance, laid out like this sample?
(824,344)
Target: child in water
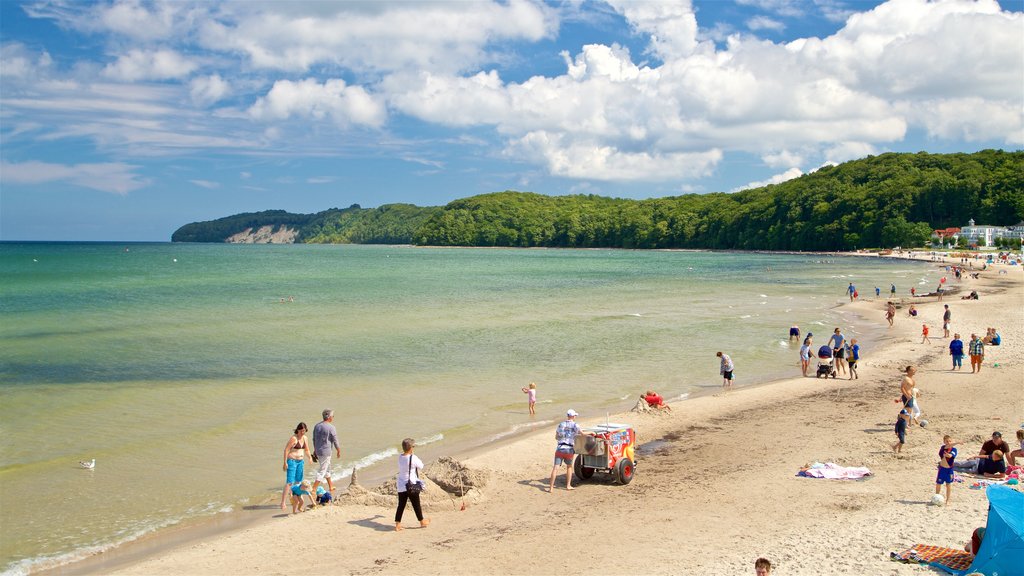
(531,392)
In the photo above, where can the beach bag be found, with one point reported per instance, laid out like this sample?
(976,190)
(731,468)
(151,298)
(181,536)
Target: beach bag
(412,487)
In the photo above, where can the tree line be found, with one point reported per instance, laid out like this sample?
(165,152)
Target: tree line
(894,199)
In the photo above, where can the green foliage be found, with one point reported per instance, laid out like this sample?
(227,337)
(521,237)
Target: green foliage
(879,201)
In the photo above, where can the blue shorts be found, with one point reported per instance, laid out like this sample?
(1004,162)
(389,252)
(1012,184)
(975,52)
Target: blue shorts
(296,471)
(945,476)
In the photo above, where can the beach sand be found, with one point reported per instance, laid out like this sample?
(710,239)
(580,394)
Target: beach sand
(716,489)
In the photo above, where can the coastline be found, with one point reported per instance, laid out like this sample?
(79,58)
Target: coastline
(519,466)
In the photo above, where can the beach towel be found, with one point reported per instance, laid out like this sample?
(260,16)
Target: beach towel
(833,471)
(949,559)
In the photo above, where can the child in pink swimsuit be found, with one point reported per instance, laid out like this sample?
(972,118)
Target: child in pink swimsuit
(531,392)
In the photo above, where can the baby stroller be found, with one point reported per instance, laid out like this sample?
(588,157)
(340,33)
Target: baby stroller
(826,363)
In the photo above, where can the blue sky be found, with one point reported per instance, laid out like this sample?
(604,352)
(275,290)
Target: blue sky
(123,120)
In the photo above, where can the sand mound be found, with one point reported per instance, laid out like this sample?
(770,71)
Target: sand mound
(454,477)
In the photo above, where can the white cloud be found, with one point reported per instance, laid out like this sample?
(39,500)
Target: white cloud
(149,65)
(320,180)
(113,177)
(245,175)
(776,179)
(208,184)
(765,23)
(334,100)
(783,159)
(844,151)
(672,26)
(206,90)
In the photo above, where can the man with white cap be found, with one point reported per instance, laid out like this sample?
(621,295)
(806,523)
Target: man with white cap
(565,435)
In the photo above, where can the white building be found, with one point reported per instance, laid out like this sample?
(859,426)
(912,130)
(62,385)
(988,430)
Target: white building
(987,235)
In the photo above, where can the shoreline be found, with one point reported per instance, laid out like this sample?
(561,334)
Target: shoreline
(173,540)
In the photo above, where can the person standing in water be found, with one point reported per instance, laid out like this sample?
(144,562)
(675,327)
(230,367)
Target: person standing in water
(725,369)
(531,393)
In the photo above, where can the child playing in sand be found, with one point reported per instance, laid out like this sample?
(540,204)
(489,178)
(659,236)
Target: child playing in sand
(298,491)
(901,430)
(531,392)
(947,454)
(924,334)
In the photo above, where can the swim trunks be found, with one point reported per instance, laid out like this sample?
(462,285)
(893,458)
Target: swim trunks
(945,476)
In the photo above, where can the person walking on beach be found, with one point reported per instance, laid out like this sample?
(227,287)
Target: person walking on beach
(325,435)
(565,451)
(976,348)
(878,292)
(924,334)
(531,394)
(408,484)
(946,317)
(725,368)
(852,290)
(836,342)
(295,453)
(956,350)
(892,290)
(947,454)
(852,356)
(890,312)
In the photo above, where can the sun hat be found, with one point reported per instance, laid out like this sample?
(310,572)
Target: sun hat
(571,413)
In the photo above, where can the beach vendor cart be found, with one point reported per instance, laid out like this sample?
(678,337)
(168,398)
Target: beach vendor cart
(608,448)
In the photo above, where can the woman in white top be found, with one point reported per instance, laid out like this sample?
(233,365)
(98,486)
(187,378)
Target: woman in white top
(409,466)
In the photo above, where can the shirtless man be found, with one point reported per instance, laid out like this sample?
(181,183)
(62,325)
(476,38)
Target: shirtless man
(907,388)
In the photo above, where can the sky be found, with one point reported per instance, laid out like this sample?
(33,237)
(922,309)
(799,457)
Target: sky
(123,120)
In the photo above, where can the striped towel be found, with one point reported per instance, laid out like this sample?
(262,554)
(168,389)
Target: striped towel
(949,559)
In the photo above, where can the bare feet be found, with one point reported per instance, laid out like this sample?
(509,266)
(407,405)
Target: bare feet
(398,527)
(569,488)
(425,522)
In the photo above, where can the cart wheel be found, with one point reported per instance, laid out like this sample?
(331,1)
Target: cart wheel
(625,471)
(582,472)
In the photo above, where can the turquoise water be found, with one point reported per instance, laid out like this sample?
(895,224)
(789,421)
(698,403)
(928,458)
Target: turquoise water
(182,372)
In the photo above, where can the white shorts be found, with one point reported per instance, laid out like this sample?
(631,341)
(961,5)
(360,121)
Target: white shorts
(324,472)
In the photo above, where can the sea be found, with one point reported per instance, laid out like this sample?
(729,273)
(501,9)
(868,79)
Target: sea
(182,369)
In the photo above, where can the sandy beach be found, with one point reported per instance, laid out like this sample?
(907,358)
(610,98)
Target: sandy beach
(715,487)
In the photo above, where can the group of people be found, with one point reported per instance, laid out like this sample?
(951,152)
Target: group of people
(993,458)
(845,353)
(325,446)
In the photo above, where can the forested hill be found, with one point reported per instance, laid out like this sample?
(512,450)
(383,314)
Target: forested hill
(879,201)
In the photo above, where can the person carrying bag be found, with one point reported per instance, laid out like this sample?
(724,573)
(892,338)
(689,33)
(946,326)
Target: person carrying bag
(409,485)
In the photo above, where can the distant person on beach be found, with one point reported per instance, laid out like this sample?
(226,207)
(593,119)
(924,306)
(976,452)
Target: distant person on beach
(295,453)
(901,430)
(890,312)
(852,290)
(1011,457)
(924,334)
(409,466)
(913,291)
(654,400)
(805,356)
(976,348)
(565,450)
(835,342)
(987,460)
(892,290)
(794,332)
(878,292)
(956,350)
(947,454)
(762,567)
(531,396)
(852,356)
(725,368)
(912,310)
(325,436)
(946,317)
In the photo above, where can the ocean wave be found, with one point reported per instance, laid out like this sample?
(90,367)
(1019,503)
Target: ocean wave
(516,428)
(371,459)
(48,562)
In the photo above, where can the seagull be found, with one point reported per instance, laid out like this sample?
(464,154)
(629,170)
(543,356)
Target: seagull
(87,465)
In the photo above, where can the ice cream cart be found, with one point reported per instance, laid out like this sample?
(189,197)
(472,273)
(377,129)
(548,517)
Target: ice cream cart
(608,448)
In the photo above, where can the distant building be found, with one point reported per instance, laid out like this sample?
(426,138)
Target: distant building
(984,236)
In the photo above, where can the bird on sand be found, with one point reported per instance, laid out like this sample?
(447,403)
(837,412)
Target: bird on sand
(87,465)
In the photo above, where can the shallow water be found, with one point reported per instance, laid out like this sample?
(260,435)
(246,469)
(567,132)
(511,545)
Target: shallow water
(179,368)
